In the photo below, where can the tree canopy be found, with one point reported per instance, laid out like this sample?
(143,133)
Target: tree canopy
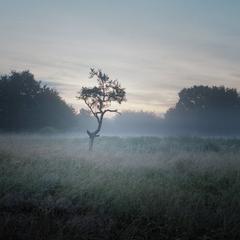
(206,109)
(26,104)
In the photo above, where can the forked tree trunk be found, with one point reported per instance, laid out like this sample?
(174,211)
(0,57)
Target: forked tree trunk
(93,135)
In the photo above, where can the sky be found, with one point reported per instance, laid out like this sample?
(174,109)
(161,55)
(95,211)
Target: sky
(153,47)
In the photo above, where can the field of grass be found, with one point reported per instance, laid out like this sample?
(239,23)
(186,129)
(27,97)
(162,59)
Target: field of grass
(127,188)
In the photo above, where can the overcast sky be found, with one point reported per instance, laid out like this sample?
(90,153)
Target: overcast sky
(153,47)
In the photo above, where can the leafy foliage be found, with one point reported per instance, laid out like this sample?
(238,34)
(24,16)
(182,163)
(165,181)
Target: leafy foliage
(99,98)
(204,109)
(27,105)
(204,98)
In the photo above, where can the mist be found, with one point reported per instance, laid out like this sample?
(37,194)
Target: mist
(119,120)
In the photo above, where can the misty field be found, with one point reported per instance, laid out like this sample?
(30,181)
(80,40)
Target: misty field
(51,187)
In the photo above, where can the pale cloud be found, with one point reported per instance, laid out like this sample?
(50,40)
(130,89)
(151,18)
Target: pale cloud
(153,47)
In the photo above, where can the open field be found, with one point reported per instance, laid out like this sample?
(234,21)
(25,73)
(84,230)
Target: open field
(128,188)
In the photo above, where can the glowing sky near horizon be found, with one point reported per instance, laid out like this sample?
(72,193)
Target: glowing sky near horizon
(153,47)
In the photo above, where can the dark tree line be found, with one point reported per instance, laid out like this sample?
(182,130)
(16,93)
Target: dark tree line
(206,110)
(200,111)
(26,104)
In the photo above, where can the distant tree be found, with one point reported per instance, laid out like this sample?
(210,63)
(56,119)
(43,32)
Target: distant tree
(85,119)
(26,104)
(203,108)
(99,99)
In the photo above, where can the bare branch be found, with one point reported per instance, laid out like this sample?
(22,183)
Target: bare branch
(90,107)
(111,110)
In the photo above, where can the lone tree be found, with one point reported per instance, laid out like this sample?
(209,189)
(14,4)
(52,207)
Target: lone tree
(99,99)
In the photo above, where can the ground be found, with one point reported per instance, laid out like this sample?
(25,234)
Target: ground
(51,187)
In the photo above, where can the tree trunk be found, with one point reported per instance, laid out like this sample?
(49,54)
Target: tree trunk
(94,134)
(91,140)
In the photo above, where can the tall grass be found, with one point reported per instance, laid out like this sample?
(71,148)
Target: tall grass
(127,188)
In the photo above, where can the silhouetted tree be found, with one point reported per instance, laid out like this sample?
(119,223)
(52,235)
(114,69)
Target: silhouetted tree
(203,109)
(27,105)
(99,99)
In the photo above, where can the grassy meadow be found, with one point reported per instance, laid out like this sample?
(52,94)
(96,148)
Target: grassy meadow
(51,187)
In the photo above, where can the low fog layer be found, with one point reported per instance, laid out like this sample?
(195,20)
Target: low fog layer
(149,124)
(27,105)
(128,123)
(200,111)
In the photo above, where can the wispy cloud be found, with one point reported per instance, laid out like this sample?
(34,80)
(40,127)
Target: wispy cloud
(154,51)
